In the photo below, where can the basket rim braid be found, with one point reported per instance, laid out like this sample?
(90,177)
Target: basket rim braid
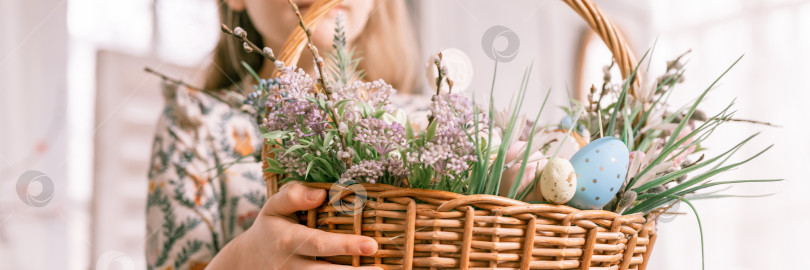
(431,229)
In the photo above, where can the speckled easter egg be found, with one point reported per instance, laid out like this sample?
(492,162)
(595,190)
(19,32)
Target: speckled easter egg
(601,167)
(558,181)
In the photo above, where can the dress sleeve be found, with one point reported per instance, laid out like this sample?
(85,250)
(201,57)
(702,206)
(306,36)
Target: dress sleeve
(183,206)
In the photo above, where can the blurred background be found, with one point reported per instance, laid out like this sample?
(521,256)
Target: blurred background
(77,112)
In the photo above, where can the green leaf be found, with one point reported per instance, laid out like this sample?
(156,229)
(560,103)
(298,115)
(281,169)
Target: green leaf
(327,139)
(408,129)
(252,72)
(275,135)
(688,116)
(495,174)
(431,131)
(656,200)
(295,147)
(514,188)
(700,226)
(708,185)
(309,167)
(273,166)
(674,175)
(623,97)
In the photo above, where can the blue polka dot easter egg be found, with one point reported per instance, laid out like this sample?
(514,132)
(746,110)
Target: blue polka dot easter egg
(600,167)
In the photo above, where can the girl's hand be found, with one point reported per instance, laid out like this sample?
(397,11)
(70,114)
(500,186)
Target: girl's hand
(277,241)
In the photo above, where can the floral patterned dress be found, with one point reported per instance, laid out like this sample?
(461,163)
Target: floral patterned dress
(205,181)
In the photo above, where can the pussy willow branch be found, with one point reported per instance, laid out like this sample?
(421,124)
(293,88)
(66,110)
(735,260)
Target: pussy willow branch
(753,122)
(442,70)
(322,77)
(170,79)
(312,48)
(267,54)
(438,63)
(165,77)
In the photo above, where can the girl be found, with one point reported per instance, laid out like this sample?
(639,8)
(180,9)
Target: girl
(207,206)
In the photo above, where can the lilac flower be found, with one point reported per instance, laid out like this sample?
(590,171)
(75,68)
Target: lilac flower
(451,109)
(374,171)
(295,82)
(302,117)
(292,163)
(367,170)
(380,136)
(379,94)
(396,168)
(376,93)
(449,152)
(290,108)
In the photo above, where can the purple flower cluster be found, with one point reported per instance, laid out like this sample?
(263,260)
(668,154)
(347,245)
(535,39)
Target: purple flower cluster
(372,171)
(380,135)
(454,109)
(292,163)
(450,150)
(289,107)
(376,93)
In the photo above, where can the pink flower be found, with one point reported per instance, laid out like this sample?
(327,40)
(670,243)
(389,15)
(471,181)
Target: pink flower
(533,169)
(677,160)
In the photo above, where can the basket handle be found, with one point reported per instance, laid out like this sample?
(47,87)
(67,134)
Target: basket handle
(604,27)
(586,9)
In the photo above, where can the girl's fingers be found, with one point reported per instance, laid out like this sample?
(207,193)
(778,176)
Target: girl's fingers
(293,197)
(313,242)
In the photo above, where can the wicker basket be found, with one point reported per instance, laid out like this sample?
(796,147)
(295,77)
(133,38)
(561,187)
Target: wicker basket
(429,229)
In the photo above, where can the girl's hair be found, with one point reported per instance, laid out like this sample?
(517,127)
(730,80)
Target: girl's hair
(387,44)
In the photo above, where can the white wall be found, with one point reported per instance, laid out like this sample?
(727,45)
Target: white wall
(33,98)
(769,84)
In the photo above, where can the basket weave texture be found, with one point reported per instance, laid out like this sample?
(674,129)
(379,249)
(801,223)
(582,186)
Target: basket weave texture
(430,229)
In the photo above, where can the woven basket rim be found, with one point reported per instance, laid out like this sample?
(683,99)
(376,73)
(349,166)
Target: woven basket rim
(456,201)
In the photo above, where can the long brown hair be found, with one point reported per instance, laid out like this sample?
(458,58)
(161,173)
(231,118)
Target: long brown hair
(387,44)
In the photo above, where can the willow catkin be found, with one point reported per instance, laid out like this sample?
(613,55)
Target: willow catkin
(628,199)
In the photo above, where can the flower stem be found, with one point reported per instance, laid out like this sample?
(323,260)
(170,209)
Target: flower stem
(322,77)
(253,46)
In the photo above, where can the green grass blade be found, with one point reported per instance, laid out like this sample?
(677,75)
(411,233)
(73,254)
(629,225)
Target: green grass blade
(674,136)
(674,175)
(485,167)
(623,97)
(494,178)
(252,72)
(514,188)
(686,118)
(700,226)
(655,200)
